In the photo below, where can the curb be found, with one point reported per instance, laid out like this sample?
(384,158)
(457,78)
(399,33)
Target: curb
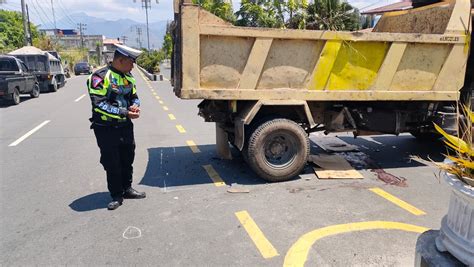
(151,77)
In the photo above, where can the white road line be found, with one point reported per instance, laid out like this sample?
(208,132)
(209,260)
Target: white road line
(19,140)
(79,98)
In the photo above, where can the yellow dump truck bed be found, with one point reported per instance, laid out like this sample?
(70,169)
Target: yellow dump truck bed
(419,54)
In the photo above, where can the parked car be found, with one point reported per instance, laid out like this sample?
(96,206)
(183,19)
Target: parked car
(46,67)
(82,67)
(16,79)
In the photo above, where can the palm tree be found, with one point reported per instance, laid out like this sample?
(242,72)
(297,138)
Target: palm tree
(335,15)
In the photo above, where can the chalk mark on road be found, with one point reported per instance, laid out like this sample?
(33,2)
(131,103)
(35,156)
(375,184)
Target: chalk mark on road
(132,232)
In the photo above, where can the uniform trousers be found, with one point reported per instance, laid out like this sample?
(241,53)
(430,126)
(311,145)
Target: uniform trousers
(117,153)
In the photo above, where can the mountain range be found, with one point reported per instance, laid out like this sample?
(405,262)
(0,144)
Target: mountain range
(116,28)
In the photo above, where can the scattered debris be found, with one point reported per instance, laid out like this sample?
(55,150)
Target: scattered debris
(334,144)
(300,189)
(307,176)
(334,167)
(390,178)
(236,188)
(359,160)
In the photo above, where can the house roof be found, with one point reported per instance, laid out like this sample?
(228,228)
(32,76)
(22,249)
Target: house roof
(111,41)
(404,5)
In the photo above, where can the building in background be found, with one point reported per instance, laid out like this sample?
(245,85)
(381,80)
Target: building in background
(373,15)
(59,32)
(109,48)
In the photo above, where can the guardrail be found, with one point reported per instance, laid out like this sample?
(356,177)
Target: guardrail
(150,76)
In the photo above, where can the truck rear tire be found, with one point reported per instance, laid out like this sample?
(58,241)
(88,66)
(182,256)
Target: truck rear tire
(54,87)
(15,97)
(277,150)
(35,92)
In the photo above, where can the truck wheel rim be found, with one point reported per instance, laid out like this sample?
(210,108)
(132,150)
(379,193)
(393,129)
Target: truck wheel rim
(36,91)
(280,150)
(16,96)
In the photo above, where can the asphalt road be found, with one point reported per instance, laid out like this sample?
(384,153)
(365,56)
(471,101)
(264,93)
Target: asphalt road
(53,195)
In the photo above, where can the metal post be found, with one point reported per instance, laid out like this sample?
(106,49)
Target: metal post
(147,29)
(29,24)
(25,24)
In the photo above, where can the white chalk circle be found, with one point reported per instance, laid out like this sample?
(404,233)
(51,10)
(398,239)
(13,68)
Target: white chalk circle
(132,232)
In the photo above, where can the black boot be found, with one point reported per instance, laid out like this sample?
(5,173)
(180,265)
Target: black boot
(115,203)
(132,193)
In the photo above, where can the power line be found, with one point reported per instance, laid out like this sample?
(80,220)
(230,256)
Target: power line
(124,38)
(82,28)
(65,12)
(44,13)
(54,16)
(37,13)
(146,4)
(139,33)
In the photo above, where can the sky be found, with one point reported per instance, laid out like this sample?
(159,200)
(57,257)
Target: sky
(41,12)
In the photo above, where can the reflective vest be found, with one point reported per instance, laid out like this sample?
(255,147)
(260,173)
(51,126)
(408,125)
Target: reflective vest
(111,95)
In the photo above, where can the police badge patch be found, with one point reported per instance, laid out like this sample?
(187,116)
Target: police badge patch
(96,80)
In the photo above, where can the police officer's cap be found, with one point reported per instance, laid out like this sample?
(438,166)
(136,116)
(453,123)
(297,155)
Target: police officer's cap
(128,51)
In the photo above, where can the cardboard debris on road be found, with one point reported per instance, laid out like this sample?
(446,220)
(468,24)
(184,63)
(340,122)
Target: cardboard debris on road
(334,144)
(333,167)
(237,189)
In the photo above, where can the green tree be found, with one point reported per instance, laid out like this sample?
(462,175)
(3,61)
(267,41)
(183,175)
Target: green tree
(11,31)
(167,45)
(272,13)
(220,8)
(150,60)
(335,15)
(261,13)
(296,13)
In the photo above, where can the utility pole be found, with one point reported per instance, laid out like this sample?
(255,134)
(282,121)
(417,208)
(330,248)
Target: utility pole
(139,38)
(29,24)
(54,17)
(146,4)
(25,23)
(124,38)
(82,28)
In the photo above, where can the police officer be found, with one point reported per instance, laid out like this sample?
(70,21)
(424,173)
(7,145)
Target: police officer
(114,105)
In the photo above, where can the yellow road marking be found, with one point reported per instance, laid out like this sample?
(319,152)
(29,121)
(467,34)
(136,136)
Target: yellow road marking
(402,204)
(154,93)
(261,242)
(193,146)
(161,102)
(157,97)
(180,128)
(172,117)
(298,252)
(165,107)
(215,177)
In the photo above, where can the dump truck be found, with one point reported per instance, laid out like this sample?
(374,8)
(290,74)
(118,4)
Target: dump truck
(46,67)
(268,89)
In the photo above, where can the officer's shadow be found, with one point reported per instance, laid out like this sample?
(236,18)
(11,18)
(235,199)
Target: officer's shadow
(90,202)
